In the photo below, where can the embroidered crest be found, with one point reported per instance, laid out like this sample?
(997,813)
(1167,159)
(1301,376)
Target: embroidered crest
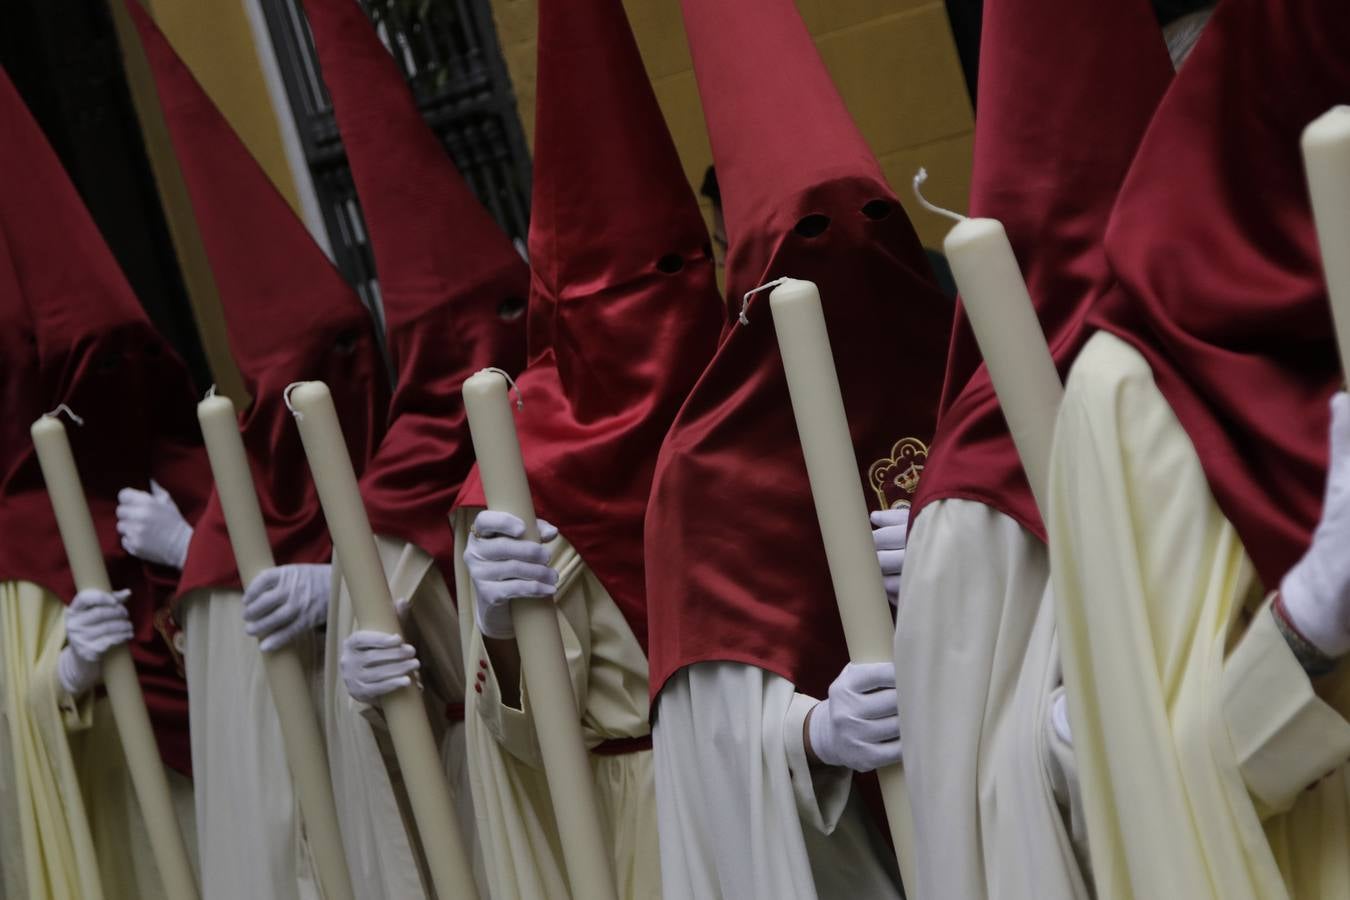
(896,478)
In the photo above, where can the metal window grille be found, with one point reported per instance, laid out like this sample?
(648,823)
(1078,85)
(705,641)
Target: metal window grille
(449,54)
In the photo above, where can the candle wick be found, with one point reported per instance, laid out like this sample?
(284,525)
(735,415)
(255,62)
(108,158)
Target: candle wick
(286,395)
(210,392)
(56,414)
(743,319)
(511,382)
(919,178)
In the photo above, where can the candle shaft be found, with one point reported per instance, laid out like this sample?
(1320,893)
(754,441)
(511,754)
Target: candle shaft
(1011,341)
(543,664)
(1326,156)
(286,678)
(119,672)
(359,559)
(832,470)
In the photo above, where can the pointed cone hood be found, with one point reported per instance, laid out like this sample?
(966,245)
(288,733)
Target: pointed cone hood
(624,309)
(804,198)
(289,315)
(454,287)
(1066,92)
(1220,284)
(86,342)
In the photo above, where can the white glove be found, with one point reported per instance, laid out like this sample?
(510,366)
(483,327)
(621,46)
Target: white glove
(375,663)
(96,621)
(286,601)
(858,727)
(1316,591)
(151,526)
(890,531)
(504,566)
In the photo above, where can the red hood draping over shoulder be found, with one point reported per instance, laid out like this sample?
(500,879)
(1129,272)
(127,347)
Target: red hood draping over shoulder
(454,287)
(624,309)
(1220,284)
(289,317)
(736,569)
(1066,91)
(73,333)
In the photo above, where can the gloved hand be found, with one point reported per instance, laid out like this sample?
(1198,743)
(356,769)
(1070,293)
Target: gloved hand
(96,621)
(890,531)
(375,663)
(1316,591)
(505,566)
(286,601)
(858,726)
(151,526)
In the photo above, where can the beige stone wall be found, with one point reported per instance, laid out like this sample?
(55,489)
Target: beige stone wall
(894,61)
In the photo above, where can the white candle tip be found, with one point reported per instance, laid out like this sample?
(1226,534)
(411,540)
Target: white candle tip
(286,396)
(56,414)
(919,178)
(742,318)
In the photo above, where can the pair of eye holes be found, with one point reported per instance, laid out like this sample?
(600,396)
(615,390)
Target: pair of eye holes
(815,224)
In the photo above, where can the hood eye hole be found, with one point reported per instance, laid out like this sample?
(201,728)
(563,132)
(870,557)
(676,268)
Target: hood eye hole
(878,209)
(345,343)
(108,362)
(670,263)
(152,350)
(510,309)
(813,225)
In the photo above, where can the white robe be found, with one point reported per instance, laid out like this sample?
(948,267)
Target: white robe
(252,843)
(608,668)
(743,815)
(78,827)
(1211,766)
(977,664)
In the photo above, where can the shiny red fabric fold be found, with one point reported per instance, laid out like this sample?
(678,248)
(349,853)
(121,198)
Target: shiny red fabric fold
(624,309)
(289,317)
(454,288)
(735,565)
(74,334)
(1066,91)
(1219,274)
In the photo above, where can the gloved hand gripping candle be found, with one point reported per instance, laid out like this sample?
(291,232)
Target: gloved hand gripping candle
(119,672)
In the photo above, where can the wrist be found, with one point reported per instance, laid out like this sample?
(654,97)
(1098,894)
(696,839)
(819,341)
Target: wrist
(810,739)
(182,541)
(1310,656)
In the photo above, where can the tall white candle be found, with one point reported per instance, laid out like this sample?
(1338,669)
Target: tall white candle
(836,487)
(1010,339)
(119,672)
(359,559)
(286,677)
(1326,156)
(542,661)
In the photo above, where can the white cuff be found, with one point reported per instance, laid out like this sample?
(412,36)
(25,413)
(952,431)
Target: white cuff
(821,791)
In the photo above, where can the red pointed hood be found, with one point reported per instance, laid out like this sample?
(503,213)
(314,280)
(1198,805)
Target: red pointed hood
(454,288)
(1220,281)
(289,316)
(75,334)
(805,198)
(624,309)
(1066,91)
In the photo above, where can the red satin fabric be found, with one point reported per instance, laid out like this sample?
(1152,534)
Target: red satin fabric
(447,271)
(1066,91)
(735,566)
(1220,281)
(624,309)
(289,316)
(73,333)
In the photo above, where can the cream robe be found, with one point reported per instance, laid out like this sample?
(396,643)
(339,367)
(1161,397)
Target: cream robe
(248,821)
(1202,746)
(516,825)
(743,815)
(377,826)
(977,663)
(80,834)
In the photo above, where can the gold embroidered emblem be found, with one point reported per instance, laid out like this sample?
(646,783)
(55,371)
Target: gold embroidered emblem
(896,478)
